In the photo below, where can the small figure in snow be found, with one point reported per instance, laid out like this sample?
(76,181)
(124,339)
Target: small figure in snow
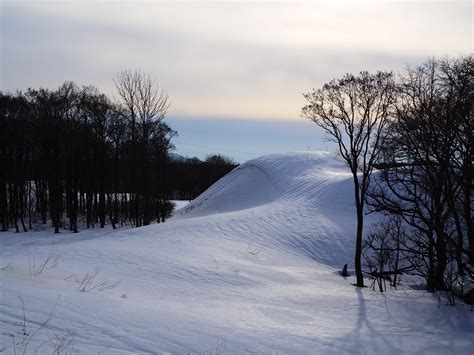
(344,272)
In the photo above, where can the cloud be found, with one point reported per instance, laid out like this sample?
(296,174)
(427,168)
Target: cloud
(224,59)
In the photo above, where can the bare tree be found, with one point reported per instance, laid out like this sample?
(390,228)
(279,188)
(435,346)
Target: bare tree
(141,97)
(353,112)
(145,105)
(427,178)
(385,251)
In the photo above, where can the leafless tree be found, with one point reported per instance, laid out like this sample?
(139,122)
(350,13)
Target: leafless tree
(427,178)
(385,251)
(353,112)
(145,105)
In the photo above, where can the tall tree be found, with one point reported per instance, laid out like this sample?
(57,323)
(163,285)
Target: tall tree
(145,105)
(353,112)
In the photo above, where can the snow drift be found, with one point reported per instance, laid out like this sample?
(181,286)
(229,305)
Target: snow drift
(299,201)
(282,177)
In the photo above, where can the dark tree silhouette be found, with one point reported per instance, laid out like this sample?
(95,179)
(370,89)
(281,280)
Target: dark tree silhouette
(427,174)
(145,106)
(354,112)
(71,156)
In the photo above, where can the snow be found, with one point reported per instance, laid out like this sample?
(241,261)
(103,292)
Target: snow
(250,266)
(178,204)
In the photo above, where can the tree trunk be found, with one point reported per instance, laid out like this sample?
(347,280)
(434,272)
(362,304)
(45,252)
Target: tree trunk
(360,226)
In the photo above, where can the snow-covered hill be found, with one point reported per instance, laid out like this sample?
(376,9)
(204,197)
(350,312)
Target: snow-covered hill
(299,203)
(250,266)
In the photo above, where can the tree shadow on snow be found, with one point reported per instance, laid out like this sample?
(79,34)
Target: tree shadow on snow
(368,338)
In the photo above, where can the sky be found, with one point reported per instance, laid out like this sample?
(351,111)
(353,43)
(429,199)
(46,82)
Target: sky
(235,70)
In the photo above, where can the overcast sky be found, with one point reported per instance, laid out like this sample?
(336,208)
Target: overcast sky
(237,69)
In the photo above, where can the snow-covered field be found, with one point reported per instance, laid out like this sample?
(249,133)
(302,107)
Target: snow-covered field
(251,266)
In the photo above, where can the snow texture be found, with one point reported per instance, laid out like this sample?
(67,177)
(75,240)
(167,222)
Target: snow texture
(250,266)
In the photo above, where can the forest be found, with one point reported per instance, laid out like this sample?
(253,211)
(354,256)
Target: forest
(74,158)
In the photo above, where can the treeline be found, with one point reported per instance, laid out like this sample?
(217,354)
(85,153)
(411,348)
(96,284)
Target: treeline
(189,177)
(426,187)
(71,156)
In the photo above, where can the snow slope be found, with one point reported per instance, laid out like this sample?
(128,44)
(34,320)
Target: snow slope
(250,266)
(299,203)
